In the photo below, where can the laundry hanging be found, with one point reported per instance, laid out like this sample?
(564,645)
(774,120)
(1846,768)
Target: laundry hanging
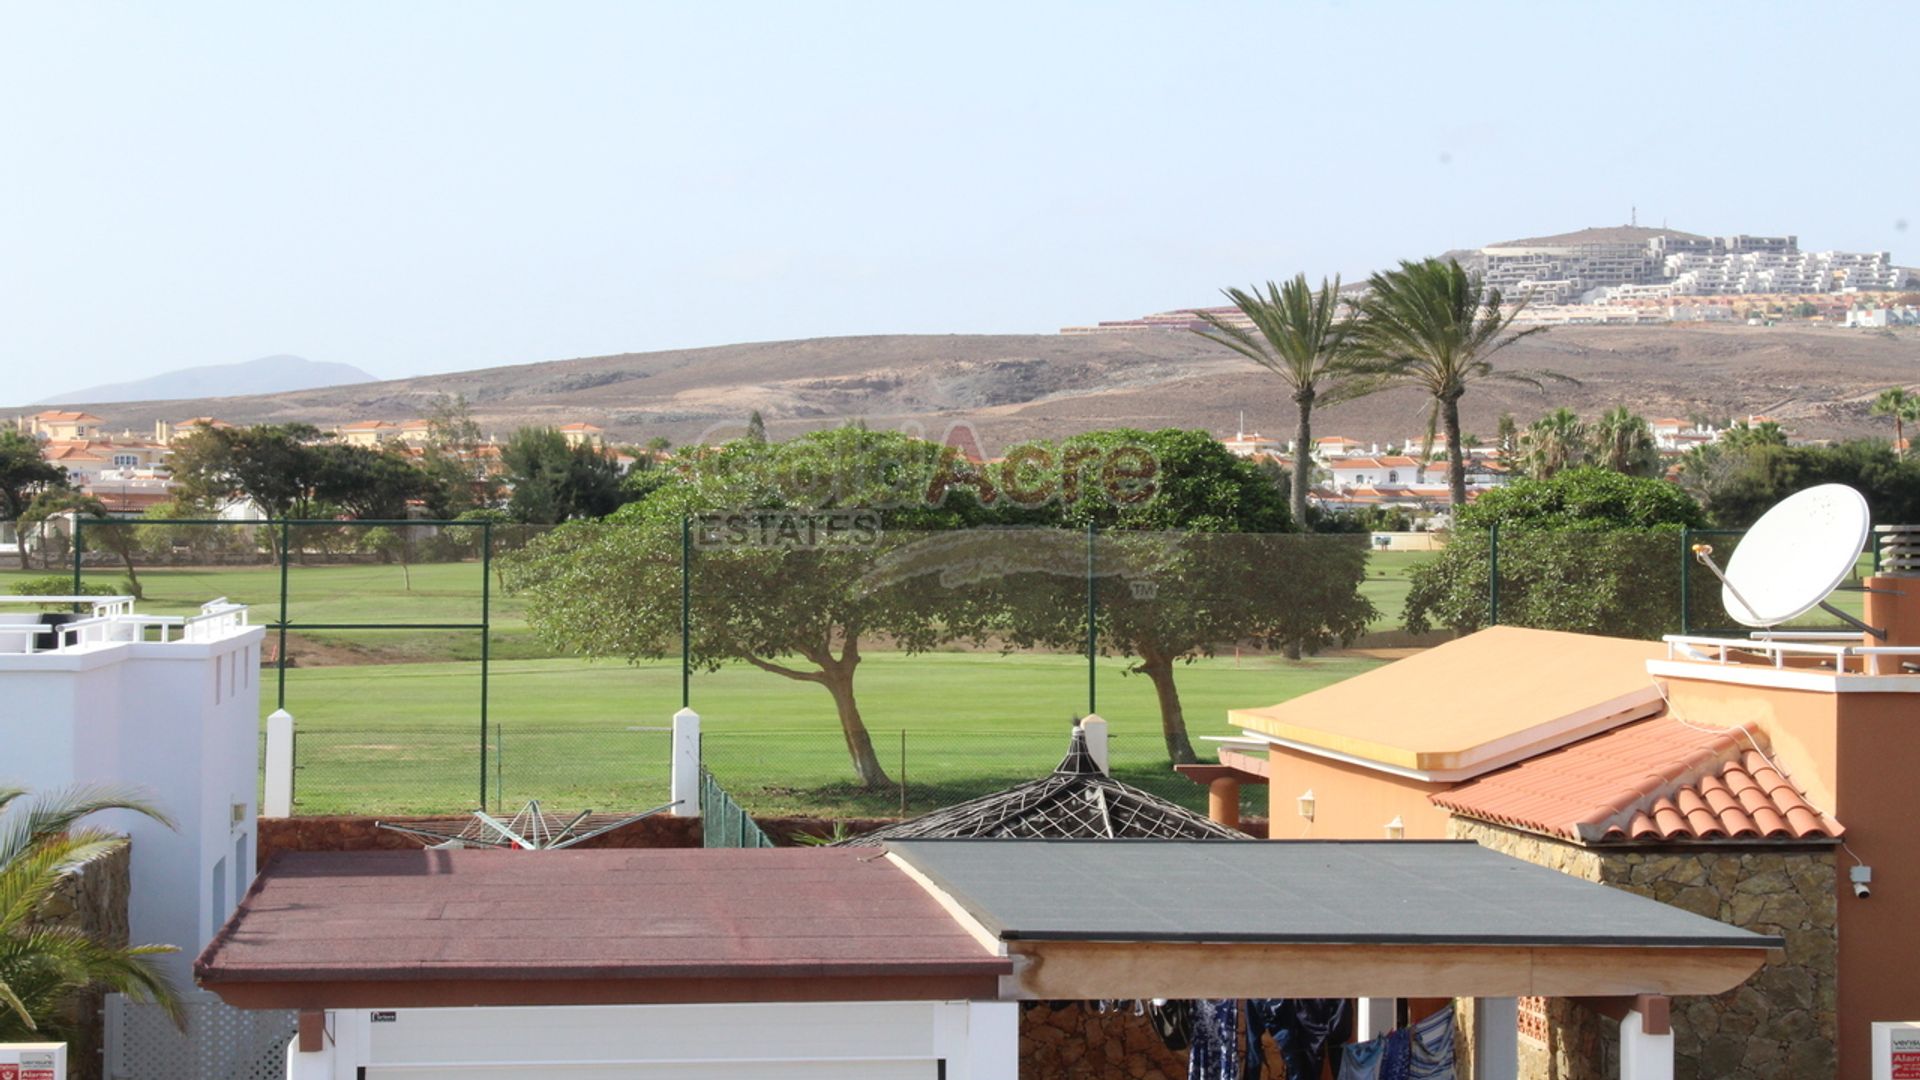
(1216,1053)
(1433,1047)
(1388,1057)
(1308,1032)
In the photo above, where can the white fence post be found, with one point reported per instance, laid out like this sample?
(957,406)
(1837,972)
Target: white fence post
(686,763)
(1096,733)
(279,767)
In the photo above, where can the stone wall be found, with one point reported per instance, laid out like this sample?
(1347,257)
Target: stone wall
(1073,1041)
(1780,1023)
(93,901)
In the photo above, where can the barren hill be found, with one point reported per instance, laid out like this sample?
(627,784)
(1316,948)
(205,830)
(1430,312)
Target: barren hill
(1817,382)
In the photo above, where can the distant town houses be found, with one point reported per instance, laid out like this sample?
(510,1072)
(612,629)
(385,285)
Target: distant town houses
(128,473)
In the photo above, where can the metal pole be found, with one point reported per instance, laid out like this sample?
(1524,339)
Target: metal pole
(280,661)
(1686,579)
(686,612)
(903,772)
(486,642)
(1093,613)
(1493,575)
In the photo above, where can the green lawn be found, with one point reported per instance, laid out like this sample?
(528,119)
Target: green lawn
(404,737)
(1388,580)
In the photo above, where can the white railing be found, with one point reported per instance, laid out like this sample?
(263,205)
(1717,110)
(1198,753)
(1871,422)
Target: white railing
(1780,648)
(113,622)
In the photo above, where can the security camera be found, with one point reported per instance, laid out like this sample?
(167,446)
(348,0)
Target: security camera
(1862,878)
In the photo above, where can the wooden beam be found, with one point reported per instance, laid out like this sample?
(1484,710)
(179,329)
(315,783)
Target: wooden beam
(1091,970)
(313,1031)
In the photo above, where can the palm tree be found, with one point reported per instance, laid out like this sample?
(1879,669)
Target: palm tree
(1299,335)
(1554,442)
(43,966)
(1433,325)
(1902,406)
(1624,443)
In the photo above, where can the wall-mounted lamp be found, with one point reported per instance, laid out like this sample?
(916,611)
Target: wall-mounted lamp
(1396,829)
(1306,804)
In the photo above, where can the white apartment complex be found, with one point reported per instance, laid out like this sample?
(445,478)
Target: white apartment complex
(1631,262)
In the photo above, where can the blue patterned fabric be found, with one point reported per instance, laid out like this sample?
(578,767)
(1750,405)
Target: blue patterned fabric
(1307,1031)
(1433,1047)
(1388,1057)
(1216,1041)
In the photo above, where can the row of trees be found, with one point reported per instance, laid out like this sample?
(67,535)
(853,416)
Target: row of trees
(938,552)
(1595,550)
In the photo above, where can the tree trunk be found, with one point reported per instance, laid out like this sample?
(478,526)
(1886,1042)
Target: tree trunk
(1456,461)
(1302,456)
(1899,437)
(133,579)
(1173,720)
(838,680)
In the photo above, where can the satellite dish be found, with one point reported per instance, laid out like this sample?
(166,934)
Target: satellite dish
(1795,555)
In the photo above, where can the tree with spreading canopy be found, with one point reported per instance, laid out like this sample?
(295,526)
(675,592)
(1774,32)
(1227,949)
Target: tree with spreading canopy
(553,481)
(95,527)
(1188,557)
(24,474)
(779,583)
(1587,550)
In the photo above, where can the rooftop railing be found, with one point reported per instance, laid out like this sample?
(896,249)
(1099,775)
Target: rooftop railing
(111,620)
(1840,652)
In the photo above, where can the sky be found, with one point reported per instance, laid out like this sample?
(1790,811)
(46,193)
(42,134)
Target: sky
(434,186)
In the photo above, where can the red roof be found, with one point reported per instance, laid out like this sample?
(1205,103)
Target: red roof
(1655,780)
(646,920)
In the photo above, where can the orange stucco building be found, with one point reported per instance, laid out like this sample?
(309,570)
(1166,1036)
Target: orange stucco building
(1751,780)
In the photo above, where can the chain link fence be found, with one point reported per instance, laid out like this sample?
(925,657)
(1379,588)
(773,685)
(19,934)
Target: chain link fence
(839,667)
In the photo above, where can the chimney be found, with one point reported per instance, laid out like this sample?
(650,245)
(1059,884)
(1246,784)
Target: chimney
(1893,592)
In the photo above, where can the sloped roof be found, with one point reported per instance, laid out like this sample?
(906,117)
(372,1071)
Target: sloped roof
(63,416)
(1656,780)
(1471,705)
(1075,802)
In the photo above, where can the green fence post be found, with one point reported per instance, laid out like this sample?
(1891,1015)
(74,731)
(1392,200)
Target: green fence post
(1686,580)
(486,642)
(280,661)
(77,541)
(1093,614)
(686,611)
(1493,575)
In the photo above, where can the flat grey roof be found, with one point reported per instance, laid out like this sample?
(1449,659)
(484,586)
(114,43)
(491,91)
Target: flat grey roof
(1432,892)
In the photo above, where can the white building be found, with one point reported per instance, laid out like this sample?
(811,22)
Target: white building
(169,705)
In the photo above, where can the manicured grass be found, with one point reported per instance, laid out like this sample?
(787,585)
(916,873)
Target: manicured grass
(1388,581)
(404,738)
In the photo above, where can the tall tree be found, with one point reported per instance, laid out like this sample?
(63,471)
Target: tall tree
(1194,563)
(1903,406)
(756,427)
(42,847)
(1555,442)
(1301,336)
(1435,326)
(1623,442)
(24,474)
(784,568)
(277,466)
(455,456)
(93,526)
(554,482)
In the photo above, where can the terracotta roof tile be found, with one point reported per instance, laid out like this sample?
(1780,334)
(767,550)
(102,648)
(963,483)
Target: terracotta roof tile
(1654,780)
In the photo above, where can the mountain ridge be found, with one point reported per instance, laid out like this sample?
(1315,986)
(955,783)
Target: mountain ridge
(274,374)
(1818,382)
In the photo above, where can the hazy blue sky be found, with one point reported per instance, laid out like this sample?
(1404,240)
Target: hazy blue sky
(416,187)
